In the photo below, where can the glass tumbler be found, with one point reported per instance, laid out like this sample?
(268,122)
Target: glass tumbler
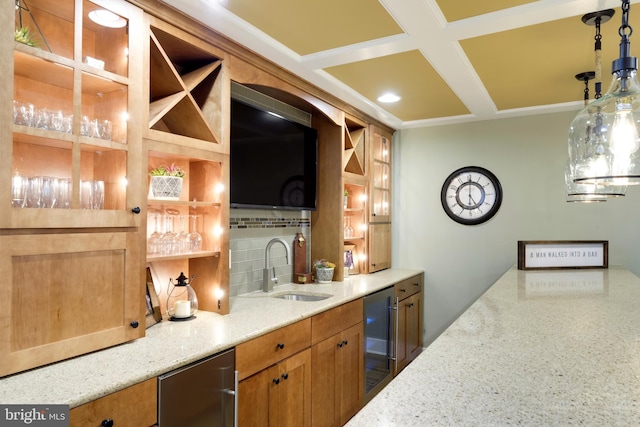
(86,194)
(26,115)
(34,192)
(63,201)
(57,121)
(98,195)
(48,191)
(19,185)
(43,119)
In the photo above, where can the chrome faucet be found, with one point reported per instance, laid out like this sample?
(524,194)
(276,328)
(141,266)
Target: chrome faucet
(267,282)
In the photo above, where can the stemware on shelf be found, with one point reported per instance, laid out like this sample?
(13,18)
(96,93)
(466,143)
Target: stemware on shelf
(195,238)
(183,244)
(168,239)
(154,240)
(348,229)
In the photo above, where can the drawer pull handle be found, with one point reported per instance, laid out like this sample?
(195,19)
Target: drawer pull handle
(285,376)
(135,210)
(343,343)
(276,381)
(280,345)
(107,423)
(403,290)
(416,284)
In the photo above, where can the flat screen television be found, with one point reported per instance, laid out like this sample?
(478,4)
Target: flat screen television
(274,161)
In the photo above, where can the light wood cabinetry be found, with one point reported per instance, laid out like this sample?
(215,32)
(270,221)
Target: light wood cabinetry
(408,306)
(188,96)
(380,201)
(337,359)
(355,186)
(71,264)
(117,410)
(379,246)
(275,378)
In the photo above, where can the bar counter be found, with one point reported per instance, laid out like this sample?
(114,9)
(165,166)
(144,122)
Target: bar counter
(552,347)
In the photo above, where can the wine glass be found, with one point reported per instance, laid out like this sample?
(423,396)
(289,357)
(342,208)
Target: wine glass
(168,239)
(153,242)
(182,238)
(348,229)
(195,238)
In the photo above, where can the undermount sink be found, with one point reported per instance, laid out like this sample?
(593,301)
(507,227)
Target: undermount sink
(300,296)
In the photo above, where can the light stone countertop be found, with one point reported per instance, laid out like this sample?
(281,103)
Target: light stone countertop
(169,345)
(551,348)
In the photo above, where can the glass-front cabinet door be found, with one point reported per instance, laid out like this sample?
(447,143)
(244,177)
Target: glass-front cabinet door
(72,169)
(381,179)
(71,152)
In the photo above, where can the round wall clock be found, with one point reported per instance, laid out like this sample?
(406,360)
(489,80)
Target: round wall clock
(471,195)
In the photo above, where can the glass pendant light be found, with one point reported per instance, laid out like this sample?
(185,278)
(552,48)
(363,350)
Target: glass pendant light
(603,137)
(578,192)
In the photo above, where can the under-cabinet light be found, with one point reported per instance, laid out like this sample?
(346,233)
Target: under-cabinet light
(107,19)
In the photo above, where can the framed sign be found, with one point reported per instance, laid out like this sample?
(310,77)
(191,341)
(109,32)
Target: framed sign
(152,314)
(351,262)
(559,254)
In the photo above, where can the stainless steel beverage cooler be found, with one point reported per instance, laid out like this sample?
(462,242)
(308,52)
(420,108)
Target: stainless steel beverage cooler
(378,340)
(201,394)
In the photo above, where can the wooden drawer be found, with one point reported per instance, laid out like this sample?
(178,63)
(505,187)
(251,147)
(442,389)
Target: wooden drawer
(334,321)
(133,406)
(262,352)
(408,287)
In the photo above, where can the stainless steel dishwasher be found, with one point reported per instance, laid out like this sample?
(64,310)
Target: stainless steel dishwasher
(201,394)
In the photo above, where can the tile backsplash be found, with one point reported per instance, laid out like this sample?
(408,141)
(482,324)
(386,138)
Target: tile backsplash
(250,232)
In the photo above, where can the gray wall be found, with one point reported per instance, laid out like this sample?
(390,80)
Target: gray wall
(528,156)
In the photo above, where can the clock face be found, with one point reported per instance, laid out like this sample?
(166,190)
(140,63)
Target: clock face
(292,192)
(471,195)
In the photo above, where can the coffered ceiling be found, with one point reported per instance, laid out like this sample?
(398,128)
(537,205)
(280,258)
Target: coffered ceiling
(450,61)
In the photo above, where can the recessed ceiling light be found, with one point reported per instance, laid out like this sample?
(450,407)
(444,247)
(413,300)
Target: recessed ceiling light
(388,98)
(107,19)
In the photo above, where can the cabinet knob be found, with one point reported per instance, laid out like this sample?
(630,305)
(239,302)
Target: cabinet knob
(135,210)
(340,345)
(285,376)
(134,324)
(410,305)
(345,342)
(280,345)
(107,423)
(276,381)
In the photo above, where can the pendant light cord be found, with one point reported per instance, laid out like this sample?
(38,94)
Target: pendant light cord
(598,60)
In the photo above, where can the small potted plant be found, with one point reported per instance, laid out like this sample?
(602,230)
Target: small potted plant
(166,182)
(323,270)
(23,35)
